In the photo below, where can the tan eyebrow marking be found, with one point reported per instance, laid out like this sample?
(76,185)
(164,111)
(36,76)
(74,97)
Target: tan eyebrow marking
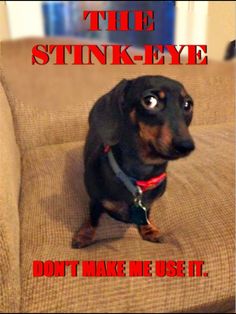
(162,94)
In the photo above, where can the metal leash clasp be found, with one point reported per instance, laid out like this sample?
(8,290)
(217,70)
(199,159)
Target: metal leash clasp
(140,208)
(138,196)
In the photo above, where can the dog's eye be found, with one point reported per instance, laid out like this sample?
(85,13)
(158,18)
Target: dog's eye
(188,105)
(150,102)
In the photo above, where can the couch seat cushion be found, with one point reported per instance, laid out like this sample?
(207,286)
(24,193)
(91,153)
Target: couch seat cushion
(196,217)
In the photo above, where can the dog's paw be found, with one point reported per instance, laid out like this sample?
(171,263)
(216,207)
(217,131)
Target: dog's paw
(84,237)
(77,244)
(150,233)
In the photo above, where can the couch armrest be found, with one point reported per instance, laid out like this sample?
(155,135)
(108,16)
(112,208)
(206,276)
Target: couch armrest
(9,216)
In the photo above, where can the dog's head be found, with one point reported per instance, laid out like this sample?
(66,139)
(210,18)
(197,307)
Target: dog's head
(154,109)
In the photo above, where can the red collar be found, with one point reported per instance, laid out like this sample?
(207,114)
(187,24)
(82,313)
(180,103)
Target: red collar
(151,183)
(148,184)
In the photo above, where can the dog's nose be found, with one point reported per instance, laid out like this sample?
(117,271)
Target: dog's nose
(184,146)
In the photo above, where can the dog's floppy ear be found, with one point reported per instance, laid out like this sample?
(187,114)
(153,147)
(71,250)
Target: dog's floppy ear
(106,116)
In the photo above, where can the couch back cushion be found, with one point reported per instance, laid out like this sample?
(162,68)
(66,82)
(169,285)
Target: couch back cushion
(9,216)
(50,103)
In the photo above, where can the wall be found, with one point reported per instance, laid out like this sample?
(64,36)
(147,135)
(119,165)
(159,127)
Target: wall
(191,22)
(4,32)
(221,27)
(206,22)
(25,18)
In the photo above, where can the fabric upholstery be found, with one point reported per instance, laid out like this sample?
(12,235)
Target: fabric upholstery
(50,103)
(195,215)
(9,217)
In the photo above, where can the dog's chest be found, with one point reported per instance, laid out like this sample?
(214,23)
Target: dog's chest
(131,212)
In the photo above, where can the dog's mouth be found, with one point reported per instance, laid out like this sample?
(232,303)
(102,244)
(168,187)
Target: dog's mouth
(155,153)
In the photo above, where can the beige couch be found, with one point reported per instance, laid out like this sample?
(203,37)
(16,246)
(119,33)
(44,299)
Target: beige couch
(43,122)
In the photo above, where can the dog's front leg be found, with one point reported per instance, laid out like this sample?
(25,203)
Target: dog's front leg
(86,234)
(149,232)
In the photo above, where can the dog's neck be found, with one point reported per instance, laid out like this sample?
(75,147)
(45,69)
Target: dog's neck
(128,159)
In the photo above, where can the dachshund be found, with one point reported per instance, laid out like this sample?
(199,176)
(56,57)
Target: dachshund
(134,131)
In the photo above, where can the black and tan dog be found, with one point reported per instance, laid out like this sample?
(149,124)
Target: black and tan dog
(135,129)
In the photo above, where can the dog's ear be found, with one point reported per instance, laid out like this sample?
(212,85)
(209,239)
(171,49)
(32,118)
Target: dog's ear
(106,116)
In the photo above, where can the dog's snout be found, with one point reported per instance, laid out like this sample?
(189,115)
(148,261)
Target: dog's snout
(183,146)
